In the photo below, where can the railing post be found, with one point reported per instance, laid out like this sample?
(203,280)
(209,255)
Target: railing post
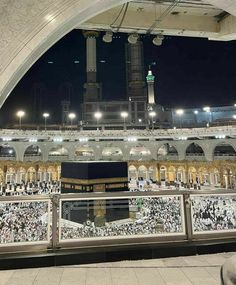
(55,198)
(188,222)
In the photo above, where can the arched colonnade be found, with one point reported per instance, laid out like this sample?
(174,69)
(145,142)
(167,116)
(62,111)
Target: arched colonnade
(11,172)
(204,150)
(218,174)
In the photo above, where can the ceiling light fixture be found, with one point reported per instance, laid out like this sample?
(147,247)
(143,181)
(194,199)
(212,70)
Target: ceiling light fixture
(107,38)
(133,38)
(157,41)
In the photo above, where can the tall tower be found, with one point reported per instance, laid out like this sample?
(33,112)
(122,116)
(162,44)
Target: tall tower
(150,83)
(65,104)
(92,87)
(136,85)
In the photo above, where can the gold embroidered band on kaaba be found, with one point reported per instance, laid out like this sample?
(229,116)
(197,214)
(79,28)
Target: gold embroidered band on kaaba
(94,181)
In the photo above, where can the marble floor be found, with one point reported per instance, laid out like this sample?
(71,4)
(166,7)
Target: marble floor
(197,270)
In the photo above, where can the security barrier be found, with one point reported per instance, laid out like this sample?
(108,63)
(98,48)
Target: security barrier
(80,220)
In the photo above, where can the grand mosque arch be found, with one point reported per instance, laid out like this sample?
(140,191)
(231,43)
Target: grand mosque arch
(139,152)
(33,152)
(166,151)
(7,152)
(30,27)
(132,172)
(84,152)
(110,152)
(58,152)
(195,151)
(224,150)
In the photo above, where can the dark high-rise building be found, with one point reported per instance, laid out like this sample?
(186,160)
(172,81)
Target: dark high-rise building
(65,104)
(136,84)
(137,96)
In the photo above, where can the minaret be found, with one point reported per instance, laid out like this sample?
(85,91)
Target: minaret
(136,86)
(92,87)
(150,83)
(65,104)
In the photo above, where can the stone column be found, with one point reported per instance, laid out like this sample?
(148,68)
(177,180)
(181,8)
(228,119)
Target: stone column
(4,174)
(212,178)
(36,172)
(153,151)
(71,154)
(186,176)
(97,153)
(222,178)
(158,175)
(126,154)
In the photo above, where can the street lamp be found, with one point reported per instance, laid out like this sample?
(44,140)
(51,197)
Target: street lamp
(97,116)
(180,112)
(207,109)
(124,115)
(45,115)
(71,116)
(195,116)
(152,114)
(20,114)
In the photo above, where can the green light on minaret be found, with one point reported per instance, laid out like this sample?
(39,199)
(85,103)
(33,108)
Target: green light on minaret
(150,77)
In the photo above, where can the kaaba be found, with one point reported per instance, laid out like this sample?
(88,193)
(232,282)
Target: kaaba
(97,176)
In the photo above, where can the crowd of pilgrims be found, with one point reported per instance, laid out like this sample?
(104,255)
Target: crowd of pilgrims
(153,216)
(30,188)
(50,187)
(23,222)
(214,213)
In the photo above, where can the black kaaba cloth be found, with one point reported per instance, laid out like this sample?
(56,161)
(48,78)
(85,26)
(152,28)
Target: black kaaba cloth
(94,169)
(97,176)
(94,176)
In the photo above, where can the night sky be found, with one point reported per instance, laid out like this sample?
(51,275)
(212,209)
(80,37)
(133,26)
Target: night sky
(189,72)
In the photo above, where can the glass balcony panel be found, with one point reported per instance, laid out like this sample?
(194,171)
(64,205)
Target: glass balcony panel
(213,213)
(24,222)
(121,217)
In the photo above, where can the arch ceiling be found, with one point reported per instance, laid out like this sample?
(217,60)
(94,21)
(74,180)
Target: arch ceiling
(32,149)
(28,28)
(58,150)
(224,148)
(194,148)
(167,149)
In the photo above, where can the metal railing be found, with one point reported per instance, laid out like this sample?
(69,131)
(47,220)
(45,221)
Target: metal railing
(93,219)
(48,135)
